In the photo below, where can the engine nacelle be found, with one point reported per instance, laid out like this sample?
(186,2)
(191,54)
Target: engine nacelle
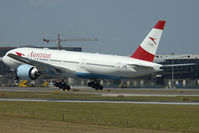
(27,72)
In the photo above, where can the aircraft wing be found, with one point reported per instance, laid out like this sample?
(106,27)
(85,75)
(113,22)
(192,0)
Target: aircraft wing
(42,67)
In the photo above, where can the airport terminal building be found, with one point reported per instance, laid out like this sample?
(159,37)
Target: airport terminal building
(175,76)
(179,76)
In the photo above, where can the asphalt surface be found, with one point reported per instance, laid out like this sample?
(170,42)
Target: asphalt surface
(94,101)
(120,91)
(28,89)
(165,92)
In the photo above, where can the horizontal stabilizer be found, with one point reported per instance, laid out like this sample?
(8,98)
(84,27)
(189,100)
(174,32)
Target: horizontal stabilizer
(177,65)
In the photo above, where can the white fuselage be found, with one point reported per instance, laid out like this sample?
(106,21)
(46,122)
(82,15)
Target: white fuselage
(86,65)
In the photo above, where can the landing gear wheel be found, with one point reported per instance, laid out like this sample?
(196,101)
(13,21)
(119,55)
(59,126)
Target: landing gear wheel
(95,84)
(101,87)
(68,87)
(90,84)
(98,87)
(62,85)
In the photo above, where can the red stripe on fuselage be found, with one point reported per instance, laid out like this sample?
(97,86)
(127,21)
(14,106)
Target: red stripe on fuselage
(142,54)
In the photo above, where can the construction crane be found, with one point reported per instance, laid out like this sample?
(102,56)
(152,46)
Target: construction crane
(58,40)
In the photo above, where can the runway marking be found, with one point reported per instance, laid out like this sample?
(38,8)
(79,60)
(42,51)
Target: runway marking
(149,95)
(95,101)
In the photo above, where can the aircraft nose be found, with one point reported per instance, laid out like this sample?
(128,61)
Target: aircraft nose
(6,60)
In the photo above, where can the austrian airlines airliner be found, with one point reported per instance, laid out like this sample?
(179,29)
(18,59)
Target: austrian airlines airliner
(31,63)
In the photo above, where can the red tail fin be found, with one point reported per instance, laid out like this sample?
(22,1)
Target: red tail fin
(147,49)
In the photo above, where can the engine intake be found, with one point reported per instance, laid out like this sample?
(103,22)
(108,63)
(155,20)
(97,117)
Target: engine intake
(27,72)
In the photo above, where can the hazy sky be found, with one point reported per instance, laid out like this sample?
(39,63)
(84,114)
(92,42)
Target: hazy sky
(119,25)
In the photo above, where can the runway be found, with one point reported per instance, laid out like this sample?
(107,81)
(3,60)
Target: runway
(28,89)
(113,92)
(94,101)
(49,89)
(121,92)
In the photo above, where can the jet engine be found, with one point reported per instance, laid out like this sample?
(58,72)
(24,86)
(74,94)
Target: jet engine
(27,72)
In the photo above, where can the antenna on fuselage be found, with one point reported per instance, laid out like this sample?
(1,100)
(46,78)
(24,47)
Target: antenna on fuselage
(58,40)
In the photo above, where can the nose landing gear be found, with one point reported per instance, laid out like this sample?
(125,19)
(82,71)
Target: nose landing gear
(95,84)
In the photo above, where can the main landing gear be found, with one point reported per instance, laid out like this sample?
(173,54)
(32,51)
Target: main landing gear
(95,84)
(62,85)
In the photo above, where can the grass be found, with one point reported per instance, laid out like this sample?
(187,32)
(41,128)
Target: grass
(23,125)
(48,117)
(99,117)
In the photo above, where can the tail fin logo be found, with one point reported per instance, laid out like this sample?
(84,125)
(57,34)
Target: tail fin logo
(153,39)
(147,49)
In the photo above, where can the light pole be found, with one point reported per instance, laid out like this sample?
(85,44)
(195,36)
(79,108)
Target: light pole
(172,72)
